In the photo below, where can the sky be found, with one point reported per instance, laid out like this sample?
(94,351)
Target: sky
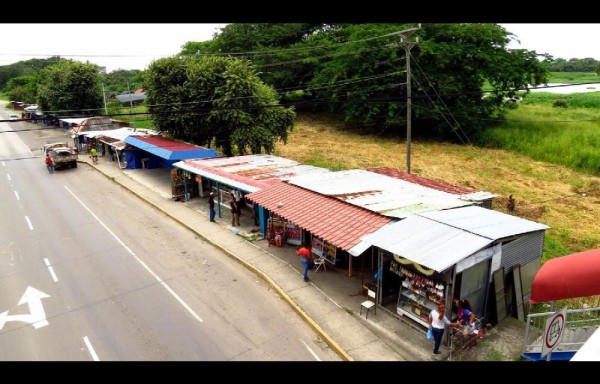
(135,46)
(566,41)
(114,46)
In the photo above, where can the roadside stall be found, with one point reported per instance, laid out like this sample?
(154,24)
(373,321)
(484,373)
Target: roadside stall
(449,255)
(331,227)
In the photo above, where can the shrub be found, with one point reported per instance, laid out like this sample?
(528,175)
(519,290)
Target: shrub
(560,103)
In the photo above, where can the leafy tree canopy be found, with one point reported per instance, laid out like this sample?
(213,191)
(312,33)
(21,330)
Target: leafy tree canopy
(23,88)
(217,100)
(117,81)
(26,67)
(358,70)
(70,87)
(573,65)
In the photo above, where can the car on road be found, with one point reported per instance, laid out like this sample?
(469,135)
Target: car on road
(13,117)
(62,155)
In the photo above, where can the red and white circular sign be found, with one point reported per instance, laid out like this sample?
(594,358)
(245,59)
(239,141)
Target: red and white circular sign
(554,331)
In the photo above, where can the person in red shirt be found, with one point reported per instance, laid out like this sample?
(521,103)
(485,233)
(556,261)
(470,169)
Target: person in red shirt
(305,256)
(49,163)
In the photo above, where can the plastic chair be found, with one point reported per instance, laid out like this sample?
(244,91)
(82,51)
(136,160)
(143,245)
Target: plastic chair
(368,304)
(320,262)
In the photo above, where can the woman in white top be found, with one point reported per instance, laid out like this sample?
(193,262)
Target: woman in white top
(437,321)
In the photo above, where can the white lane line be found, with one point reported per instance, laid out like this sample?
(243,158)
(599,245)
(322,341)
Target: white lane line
(3,164)
(8,177)
(90,348)
(310,350)
(17,195)
(183,303)
(51,270)
(29,222)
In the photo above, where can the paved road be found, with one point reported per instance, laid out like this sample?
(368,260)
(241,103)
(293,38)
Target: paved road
(108,278)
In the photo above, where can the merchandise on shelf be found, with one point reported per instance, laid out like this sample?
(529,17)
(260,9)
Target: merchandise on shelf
(419,295)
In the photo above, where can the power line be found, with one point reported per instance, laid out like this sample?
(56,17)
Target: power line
(293,50)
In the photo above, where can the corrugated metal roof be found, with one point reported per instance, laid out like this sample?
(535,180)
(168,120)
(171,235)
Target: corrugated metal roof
(169,149)
(464,192)
(115,143)
(96,123)
(485,222)
(379,193)
(429,243)
(249,173)
(338,223)
(76,121)
(121,133)
(234,181)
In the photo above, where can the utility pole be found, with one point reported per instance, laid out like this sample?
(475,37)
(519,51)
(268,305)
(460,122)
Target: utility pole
(407,44)
(131,106)
(104,97)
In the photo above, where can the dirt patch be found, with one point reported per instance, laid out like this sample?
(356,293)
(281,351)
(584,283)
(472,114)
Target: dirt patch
(504,342)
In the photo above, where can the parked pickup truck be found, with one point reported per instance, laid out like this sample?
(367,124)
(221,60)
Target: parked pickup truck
(62,155)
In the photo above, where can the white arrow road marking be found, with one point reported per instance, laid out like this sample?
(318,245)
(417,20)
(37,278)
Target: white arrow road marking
(17,195)
(51,270)
(36,317)
(310,350)
(29,222)
(90,348)
(172,292)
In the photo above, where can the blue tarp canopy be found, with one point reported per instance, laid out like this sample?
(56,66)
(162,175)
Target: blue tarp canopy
(170,150)
(155,151)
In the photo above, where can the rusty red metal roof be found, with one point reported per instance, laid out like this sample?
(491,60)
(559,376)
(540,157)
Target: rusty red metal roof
(227,175)
(434,184)
(249,172)
(339,223)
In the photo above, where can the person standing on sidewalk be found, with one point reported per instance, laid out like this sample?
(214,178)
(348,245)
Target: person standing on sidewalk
(437,322)
(235,212)
(305,256)
(211,206)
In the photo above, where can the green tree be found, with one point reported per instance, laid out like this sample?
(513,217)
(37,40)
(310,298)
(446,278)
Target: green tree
(216,99)
(587,64)
(356,70)
(70,86)
(116,81)
(26,67)
(23,88)
(266,45)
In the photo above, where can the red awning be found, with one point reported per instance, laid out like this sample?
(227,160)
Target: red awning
(335,221)
(566,277)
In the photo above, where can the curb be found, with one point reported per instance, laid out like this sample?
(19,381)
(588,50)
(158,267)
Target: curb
(332,343)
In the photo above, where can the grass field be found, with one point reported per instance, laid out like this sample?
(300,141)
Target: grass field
(573,77)
(564,199)
(566,136)
(572,100)
(141,119)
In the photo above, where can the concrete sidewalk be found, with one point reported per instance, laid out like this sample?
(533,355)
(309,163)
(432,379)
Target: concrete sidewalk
(329,303)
